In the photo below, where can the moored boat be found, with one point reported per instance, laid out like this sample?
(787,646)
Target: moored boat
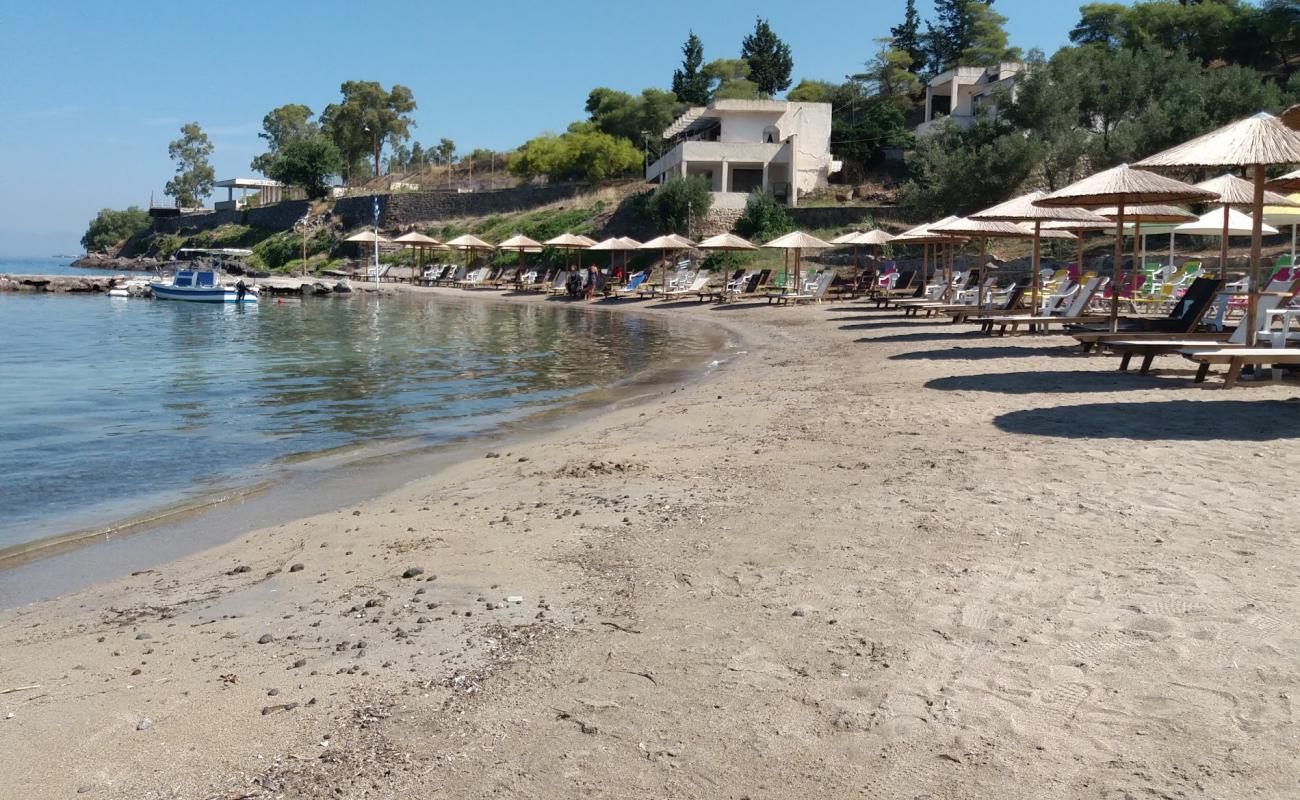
(205,285)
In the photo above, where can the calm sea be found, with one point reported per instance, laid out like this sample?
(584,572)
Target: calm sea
(111,407)
(47,266)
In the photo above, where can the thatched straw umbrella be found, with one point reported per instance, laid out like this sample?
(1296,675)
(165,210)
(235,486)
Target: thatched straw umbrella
(572,243)
(521,244)
(982,230)
(798,241)
(1140,216)
(419,242)
(1256,142)
(728,243)
(1025,208)
(1233,191)
(871,238)
(1121,187)
(925,235)
(666,243)
(1289,182)
(617,244)
(370,237)
(470,243)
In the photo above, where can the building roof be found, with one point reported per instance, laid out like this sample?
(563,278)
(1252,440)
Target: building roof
(981,74)
(247,183)
(719,107)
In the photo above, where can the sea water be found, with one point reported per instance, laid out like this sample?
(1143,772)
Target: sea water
(110,407)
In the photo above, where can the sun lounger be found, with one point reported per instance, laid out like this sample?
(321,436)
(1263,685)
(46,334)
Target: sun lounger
(630,288)
(701,280)
(1238,358)
(814,295)
(1071,313)
(1011,301)
(1182,318)
(1149,346)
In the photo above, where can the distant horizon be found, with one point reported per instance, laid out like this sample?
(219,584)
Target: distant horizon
(98,92)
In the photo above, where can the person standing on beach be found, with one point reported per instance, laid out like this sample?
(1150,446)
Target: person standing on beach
(594,281)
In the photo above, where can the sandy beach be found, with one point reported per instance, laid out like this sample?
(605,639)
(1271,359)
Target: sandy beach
(862,556)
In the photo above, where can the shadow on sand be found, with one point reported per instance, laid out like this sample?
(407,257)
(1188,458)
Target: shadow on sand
(1171,420)
(947,335)
(1048,382)
(960,353)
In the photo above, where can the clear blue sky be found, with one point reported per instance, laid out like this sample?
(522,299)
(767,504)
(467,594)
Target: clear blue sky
(93,92)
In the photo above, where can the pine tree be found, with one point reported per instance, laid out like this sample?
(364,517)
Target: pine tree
(770,63)
(689,84)
(968,32)
(906,37)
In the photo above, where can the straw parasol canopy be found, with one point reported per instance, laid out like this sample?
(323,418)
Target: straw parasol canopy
(798,241)
(1122,186)
(1233,191)
(1256,142)
(617,243)
(367,236)
(873,237)
(469,241)
(1289,182)
(726,241)
(665,244)
(1026,208)
(521,244)
(846,238)
(419,242)
(926,235)
(571,242)
(982,230)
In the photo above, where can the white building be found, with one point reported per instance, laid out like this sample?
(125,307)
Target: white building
(268,192)
(960,92)
(742,146)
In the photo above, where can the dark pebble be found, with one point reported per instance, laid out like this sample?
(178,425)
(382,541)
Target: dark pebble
(265,638)
(297,568)
(412,572)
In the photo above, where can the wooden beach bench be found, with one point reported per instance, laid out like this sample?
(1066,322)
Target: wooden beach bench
(1238,357)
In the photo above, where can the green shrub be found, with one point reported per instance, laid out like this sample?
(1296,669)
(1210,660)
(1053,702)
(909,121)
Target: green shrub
(679,202)
(111,228)
(764,219)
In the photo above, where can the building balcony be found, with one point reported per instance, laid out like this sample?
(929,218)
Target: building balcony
(713,152)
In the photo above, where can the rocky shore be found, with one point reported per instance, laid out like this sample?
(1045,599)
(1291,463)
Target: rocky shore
(98,284)
(106,262)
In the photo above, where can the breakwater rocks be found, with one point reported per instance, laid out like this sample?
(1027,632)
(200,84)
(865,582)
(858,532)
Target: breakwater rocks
(103,261)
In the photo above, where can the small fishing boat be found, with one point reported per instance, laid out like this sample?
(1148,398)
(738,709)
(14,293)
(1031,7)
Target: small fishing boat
(208,285)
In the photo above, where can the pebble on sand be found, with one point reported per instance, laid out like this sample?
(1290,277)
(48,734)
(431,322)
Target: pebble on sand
(297,567)
(412,572)
(265,638)
(144,724)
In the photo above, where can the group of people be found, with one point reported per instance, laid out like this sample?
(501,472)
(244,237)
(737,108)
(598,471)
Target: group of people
(586,284)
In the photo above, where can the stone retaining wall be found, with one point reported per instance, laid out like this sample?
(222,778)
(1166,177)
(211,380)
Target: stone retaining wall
(278,216)
(408,208)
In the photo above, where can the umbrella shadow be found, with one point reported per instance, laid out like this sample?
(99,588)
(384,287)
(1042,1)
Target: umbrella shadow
(898,322)
(960,353)
(739,306)
(1052,382)
(925,336)
(679,304)
(1156,420)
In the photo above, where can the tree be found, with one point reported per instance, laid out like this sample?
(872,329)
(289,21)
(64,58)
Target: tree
(689,83)
(1101,24)
(581,154)
(418,156)
(891,78)
(729,79)
(957,171)
(279,126)
(906,37)
(446,151)
(680,202)
(770,63)
(368,116)
(763,219)
(307,161)
(627,116)
(110,228)
(480,154)
(194,175)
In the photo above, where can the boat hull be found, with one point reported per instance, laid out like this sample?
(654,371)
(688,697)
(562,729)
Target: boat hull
(202,295)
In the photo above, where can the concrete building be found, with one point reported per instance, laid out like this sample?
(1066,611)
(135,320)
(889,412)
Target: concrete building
(268,192)
(960,92)
(742,146)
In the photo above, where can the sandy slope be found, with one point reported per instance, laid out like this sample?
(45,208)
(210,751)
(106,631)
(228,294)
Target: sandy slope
(863,557)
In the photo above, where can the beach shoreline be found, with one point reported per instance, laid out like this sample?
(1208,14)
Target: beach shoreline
(863,554)
(189,524)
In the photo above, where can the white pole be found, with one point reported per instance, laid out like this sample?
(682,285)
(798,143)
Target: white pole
(1293,264)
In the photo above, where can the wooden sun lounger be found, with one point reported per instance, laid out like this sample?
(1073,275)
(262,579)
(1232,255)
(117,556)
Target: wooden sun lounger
(1238,357)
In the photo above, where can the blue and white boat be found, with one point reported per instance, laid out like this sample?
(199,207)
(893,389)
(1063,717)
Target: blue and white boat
(204,285)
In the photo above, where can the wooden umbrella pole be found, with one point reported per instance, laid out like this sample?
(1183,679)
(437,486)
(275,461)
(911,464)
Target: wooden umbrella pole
(1038,225)
(1223,245)
(1256,245)
(1116,279)
(983,271)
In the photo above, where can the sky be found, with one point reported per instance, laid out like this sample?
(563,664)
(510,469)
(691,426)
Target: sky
(92,93)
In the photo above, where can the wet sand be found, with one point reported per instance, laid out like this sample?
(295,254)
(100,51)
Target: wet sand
(863,556)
